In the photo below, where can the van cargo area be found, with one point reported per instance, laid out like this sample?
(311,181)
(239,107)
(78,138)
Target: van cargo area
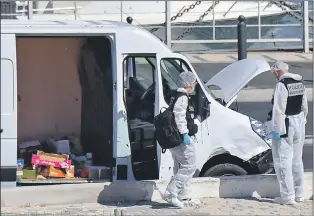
(65,107)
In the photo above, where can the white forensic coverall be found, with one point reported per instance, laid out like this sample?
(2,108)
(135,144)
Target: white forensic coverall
(287,152)
(183,155)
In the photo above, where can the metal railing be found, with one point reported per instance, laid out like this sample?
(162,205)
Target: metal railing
(214,27)
(304,23)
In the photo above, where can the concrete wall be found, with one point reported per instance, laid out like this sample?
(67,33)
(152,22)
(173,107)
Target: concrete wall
(49,87)
(251,186)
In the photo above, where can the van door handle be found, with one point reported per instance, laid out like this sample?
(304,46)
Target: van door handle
(125,116)
(1,130)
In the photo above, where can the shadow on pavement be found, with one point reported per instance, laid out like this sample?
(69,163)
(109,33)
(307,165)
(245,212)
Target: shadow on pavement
(261,200)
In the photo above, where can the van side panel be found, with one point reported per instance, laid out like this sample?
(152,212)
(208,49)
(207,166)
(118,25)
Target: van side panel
(8,110)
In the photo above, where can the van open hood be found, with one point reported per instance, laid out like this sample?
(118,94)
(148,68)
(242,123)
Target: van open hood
(235,76)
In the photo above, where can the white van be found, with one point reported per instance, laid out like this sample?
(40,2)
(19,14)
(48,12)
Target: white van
(105,81)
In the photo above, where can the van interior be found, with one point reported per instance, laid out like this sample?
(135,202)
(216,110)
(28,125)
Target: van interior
(64,87)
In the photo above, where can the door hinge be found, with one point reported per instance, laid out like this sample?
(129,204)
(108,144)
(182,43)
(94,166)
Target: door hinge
(115,85)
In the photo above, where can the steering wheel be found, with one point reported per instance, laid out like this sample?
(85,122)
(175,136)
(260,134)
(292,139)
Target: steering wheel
(146,103)
(148,95)
(149,92)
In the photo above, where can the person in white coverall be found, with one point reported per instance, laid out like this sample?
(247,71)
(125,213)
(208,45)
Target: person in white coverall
(289,113)
(184,154)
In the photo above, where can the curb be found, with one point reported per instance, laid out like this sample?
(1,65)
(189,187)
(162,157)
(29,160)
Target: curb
(268,56)
(226,187)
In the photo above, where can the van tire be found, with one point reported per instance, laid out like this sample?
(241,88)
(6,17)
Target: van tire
(224,169)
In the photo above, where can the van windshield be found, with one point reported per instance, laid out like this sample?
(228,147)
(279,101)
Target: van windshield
(171,69)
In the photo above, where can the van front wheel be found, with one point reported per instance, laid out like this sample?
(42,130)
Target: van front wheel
(225,169)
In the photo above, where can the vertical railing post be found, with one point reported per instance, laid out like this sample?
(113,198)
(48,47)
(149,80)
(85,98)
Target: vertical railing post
(242,43)
(306,43)
(214,24)
(30,10)
(259,21)
(168,23)
(121,10)
(75,10)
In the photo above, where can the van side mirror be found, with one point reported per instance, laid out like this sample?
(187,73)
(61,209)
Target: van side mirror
(206,109)
(203,105)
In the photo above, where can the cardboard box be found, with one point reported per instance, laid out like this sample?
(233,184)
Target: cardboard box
(48,159)
(62,146)
(48,155)
(29,174)
(54,172)
(51,171)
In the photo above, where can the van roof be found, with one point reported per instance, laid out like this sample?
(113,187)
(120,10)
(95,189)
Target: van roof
(142,41)
(73,24)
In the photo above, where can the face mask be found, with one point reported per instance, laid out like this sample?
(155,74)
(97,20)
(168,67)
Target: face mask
(276,74)
(192,89)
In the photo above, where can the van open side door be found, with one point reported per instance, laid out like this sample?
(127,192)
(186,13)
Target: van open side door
(135,149)
(169,68)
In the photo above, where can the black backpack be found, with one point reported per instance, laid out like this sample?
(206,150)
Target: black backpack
(166,130)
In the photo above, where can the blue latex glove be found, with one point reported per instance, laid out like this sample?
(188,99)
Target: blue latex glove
(186,139)
(276,135)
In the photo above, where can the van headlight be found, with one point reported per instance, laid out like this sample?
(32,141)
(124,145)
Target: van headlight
(259,128)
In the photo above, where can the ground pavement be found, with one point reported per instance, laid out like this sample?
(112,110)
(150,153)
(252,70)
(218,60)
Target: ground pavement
(208,206)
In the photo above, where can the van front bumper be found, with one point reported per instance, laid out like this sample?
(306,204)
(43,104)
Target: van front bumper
(263,162)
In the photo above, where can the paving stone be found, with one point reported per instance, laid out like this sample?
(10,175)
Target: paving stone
(208,206)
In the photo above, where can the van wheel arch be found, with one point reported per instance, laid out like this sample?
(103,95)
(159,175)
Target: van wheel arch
(226,158)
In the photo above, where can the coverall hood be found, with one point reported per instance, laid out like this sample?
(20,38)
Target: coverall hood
(290,75)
